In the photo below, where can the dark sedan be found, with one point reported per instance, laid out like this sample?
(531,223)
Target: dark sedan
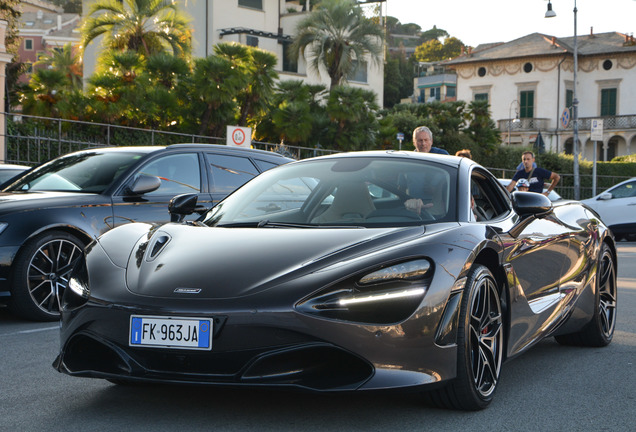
(48,215)
(358,271)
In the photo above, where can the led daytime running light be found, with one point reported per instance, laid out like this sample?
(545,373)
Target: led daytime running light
(382,297)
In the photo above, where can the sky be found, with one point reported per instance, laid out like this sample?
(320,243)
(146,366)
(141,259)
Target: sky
(483,21)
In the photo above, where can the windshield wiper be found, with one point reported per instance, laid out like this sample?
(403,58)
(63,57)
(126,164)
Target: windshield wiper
(265,223)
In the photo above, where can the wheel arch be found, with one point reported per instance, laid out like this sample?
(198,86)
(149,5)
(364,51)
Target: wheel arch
(82,235)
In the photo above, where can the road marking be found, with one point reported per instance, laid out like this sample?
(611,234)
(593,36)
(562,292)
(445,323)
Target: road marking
(31,331)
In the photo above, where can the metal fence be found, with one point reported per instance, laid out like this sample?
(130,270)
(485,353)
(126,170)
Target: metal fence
(31,140)
(565,188)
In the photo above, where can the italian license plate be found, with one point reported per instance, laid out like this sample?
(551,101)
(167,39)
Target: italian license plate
(171,332)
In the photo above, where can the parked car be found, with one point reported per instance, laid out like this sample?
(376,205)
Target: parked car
(9,171)
(49,214)
(553,196)
(617,208)
(316,276)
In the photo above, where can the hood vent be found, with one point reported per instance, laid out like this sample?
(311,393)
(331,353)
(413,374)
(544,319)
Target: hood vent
(157,244)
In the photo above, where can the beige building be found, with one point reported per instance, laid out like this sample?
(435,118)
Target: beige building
(528,83)
(266,24)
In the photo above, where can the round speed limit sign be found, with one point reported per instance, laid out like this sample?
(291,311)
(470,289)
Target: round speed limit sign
(238,137)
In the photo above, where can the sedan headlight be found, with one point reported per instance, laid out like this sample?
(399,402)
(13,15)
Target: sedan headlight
(387,295)
(77,291)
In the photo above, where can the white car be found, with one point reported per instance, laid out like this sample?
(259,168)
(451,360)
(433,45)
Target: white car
(617,207)
(8,171)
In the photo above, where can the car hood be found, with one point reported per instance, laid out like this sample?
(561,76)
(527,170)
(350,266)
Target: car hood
(11,201)
(188,261)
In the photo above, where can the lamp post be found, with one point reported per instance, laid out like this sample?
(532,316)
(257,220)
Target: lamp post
(575,106)
(510,121)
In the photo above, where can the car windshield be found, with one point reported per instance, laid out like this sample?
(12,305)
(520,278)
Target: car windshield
(361,192)
(90,171)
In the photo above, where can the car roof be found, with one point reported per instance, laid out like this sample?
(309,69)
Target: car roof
(439,158)
(186,146)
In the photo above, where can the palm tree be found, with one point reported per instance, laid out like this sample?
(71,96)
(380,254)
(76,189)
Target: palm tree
(145,26)
(43,93)
(255,98)
(66,61)
(353,118)
(338,37)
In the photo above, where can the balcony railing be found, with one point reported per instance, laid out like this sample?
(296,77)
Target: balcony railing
(609,122)
(585,123)
(524,124)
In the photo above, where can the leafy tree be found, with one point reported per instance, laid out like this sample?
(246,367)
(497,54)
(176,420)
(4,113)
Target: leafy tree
(10,13)
(70,6)
(162,75)
(433,33)
(145,26)
(434,50)
(391,82)
(338,35)
(113,91)
(353,113)
(452,47)
(296,116)
(430,51)
(482,128)
(43,93)
(258,69)
(410,29)
(66,62)
(215,83)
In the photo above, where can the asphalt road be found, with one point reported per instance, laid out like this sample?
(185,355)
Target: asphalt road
(549,388)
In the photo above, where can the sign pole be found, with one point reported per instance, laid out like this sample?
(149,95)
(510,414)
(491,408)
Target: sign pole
(596,136)
(400,138)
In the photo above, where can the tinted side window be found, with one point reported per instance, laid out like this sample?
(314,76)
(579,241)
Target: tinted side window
(179,173)
(229,172)
(625,191)
(263,165)
(488,197)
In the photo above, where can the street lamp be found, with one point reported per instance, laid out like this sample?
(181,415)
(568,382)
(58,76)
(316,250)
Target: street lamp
(575,106)
(510,121)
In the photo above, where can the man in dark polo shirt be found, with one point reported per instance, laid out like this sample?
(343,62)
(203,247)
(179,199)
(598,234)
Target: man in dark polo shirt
(536,176)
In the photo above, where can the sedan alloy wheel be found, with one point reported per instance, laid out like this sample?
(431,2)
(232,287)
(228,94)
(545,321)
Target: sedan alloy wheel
(42,274)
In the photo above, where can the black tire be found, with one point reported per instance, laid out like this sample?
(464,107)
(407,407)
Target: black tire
(479,346)
(600,330)
(40,274)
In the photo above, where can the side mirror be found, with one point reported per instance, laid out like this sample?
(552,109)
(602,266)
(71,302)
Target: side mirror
(144,184)
(181,206)
(605,196)
(530,203)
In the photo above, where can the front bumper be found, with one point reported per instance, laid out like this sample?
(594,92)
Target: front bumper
(252,348)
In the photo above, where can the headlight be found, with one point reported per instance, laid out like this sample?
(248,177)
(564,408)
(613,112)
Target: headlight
(407,271)
(78,287)
(387,295)
(3,226)
(77,291)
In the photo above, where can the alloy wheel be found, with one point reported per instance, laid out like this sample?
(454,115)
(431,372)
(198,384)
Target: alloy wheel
(607,295)
(486,337)
(48,273)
